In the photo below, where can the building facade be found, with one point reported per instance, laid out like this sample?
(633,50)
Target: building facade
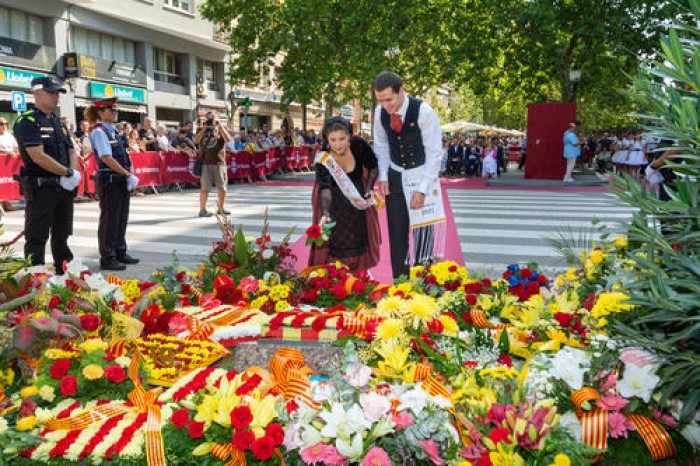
(158,56)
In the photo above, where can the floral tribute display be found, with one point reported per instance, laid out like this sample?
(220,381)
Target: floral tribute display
(441,368)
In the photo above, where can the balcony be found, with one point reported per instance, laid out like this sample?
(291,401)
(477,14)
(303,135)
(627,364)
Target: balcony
(170,82)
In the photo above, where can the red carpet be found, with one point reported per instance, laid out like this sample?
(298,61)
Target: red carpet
(382,272)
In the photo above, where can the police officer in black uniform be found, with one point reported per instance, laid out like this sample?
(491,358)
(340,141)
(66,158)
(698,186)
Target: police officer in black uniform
(114,181)
(49,177)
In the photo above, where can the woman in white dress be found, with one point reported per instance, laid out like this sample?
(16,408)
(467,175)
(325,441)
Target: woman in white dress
(636,157)
(490,161)
(619,160)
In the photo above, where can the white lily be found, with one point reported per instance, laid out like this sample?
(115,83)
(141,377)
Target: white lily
(352,450)
(638,381)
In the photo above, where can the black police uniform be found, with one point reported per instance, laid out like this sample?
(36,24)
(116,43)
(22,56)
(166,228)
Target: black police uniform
(49,206)
(114,203)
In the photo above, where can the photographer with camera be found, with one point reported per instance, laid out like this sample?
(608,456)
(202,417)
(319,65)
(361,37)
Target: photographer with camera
(211,138)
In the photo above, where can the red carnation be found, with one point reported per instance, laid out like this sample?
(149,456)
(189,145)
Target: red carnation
(60,368)
(54,301)
(28,408)
(241,417)
(90,322)
(243,440)
(180,418)
(338,291)
(196,429)
(471,299)
(292,406)
(68,385)
(435,326)
(115,373)
(359,287)
(263,448)
(533,287)
(541,279)
(314,232)
(309,296)
(452,268)
(526,273)
(505,359)
(275,432)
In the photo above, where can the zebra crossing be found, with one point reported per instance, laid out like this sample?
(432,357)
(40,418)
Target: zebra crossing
(495,227)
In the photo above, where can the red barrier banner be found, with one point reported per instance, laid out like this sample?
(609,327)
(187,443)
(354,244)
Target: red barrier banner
(176,168)
(147,166)
(239,165)
(88,168)
(259,164)
(9,188)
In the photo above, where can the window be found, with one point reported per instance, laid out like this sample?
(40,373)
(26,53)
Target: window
(168,66)
(181,5)
(22,26)
(212,72)
(103,46)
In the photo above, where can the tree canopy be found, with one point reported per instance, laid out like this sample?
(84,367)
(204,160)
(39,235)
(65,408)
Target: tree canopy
(506,52)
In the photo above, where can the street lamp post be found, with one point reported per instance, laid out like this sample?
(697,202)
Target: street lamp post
(574,78)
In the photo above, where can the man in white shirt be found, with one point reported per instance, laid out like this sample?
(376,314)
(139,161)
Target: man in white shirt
(407,138)
(8,144)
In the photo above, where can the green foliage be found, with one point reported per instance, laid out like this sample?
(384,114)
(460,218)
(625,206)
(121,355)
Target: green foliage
(666,266)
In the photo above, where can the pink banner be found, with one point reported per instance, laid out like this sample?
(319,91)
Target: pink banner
(9,188)
(176,168)
(147,166)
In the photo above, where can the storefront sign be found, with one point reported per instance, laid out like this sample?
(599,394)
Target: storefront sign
(107,91)
(20,79)
(70,65)
(111,70)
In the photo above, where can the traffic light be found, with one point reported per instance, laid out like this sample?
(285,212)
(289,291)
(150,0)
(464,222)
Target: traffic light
(247,102)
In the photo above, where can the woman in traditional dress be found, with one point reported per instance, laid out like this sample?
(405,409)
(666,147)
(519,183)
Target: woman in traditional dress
(490,162)
(636,157)
(346,169)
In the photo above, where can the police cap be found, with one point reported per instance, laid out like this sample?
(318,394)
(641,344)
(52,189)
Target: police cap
(106,103)
(48,84)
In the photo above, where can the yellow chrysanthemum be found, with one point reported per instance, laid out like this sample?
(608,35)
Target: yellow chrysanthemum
(92,345)
(571,274)
(561,460)
(47,393)
(258,302)
(597,256)
(281,306)
(559,282)
(7,377)
(449,325)
(93,372)
(609,303)
(26,423)
(28,391)
(620,242)
(390,306)
(131,290)
(500,372)
(389,328)
(415,271)
(421,309)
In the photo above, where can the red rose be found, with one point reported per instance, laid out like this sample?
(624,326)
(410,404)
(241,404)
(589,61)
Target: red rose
(338,291)
(241,417)
(115,373)
(68,385)
(358,287)
(263,448)
(180,418)
(243,440)
(533,287)
(505,359)
(275,432)
(314,232)
(435,326)
(526,273)
(196,429)
(471,299)
(90,322)
(309,296)
(60,368)
(541,279)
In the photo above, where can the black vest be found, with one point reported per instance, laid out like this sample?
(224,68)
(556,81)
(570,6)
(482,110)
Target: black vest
(54,137)
(406,149)
(119,152)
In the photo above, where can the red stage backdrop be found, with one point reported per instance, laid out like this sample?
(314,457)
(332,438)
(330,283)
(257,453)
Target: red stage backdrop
(546,124)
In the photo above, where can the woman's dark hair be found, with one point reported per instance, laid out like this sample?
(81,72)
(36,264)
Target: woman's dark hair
(388,79)
(336,123)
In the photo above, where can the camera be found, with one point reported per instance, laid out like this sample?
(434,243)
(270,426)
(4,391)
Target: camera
(210,119)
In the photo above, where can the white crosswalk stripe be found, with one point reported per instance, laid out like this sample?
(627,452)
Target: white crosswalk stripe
(494,227)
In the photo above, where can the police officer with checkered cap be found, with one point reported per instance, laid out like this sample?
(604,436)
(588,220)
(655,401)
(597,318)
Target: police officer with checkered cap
(49,177)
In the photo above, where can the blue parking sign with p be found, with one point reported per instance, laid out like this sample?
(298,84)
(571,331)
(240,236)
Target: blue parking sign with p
(19,101)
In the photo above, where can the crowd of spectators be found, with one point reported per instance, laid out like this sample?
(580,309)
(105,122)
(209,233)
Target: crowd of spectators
(485,157)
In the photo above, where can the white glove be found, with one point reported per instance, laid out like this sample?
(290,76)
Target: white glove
(132,182)
(69,183)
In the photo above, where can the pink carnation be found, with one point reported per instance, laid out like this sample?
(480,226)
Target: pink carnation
(611,403)
(637,356)
(376,457)
(402,420)
(321,453)
(665,419)
(618,425)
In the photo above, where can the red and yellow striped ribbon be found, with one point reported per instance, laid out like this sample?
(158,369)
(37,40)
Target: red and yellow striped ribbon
(356,323)
(290,376)
(198,330)
(114,280)
(656,438)
(143,401)
(479,320)
(224,451)
(430,384)
(595,427)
